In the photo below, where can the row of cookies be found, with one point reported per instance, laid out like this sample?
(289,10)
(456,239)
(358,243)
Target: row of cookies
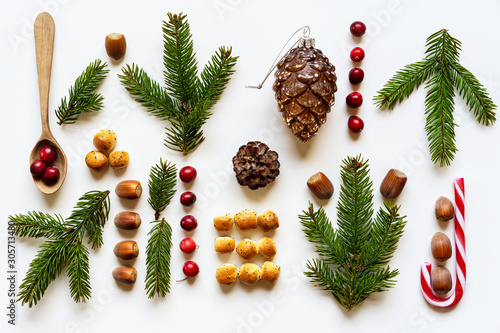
(246,220)
(249,273)
(247,248)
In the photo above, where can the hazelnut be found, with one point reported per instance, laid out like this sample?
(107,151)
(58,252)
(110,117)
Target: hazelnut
(445,210)
(126,249)
(441,280)
(128,189)
(115,45)
(393,184)
(320,186)
(441,246)
(127,220)
(125,275)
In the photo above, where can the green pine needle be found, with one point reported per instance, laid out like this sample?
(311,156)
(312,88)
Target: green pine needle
(444,75)
(158,259)
(82,96)
(353,258)
(64,247)
(187,98)
(162,180)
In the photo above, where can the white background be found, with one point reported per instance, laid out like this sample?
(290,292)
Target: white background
(257,30)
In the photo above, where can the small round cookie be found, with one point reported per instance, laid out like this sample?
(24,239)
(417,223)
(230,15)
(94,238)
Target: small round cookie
(267,247)
(246,219)
(118,159)
(268,221)
(247,249)
(269,272)
(249,273)
(224,244)
(223,222)
(96,160)
(105,140)
(226,274)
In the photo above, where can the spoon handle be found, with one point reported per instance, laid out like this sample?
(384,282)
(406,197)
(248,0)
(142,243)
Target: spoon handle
(44,46)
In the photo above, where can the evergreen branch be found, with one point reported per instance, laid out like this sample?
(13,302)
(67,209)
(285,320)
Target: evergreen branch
(403,83)
(214,78)
(78,272)
(352,258)
(89,216)
(355,207)
(474,93)
(47,265)
(162,180)
(147,92)
(82,96)
(443,73)
(38,225)
(158,259)
(318,230)
(64,248)
(191,97)
(181,68)
(442,46)
(185,134)
(440,127)
(387,229)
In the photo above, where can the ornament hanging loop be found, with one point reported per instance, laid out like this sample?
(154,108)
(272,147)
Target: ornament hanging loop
(304,40)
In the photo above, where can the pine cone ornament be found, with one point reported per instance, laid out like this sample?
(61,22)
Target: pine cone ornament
(305,89)
(256,165)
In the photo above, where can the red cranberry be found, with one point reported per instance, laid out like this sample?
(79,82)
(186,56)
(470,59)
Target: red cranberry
(51,175)
(189,223)
(48,154)
(187,174)
(190,268)
(37,168)
(354,100)
(358,28)
(355,124)
(188,198)
(356,75)
(187,245)
(357,54)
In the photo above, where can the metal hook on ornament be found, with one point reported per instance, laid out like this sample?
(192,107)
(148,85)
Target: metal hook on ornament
(306,32)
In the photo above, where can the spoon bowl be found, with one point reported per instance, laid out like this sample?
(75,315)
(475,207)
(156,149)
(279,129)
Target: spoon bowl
(44,45)
(60,163)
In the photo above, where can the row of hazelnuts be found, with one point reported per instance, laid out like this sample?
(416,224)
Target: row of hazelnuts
(441,249)
(126,220)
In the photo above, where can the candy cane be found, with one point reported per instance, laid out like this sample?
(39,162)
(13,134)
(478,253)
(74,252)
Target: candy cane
(425,276)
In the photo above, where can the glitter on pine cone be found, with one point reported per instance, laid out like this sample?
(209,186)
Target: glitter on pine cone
(305,89)
(256,165)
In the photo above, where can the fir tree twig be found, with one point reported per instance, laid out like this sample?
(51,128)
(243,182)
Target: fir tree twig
(187,98)
(82,97)
(162,180)
(158,259)
(444,74)
(352,258)
(64,247)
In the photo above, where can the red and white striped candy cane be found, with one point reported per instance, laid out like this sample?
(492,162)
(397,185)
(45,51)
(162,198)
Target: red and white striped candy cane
(425,276)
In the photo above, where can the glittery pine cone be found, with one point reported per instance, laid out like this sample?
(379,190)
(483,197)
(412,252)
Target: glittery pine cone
(256,165)
(305,87)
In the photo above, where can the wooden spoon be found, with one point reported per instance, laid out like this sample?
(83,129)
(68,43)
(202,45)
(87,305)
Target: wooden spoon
(44,46)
